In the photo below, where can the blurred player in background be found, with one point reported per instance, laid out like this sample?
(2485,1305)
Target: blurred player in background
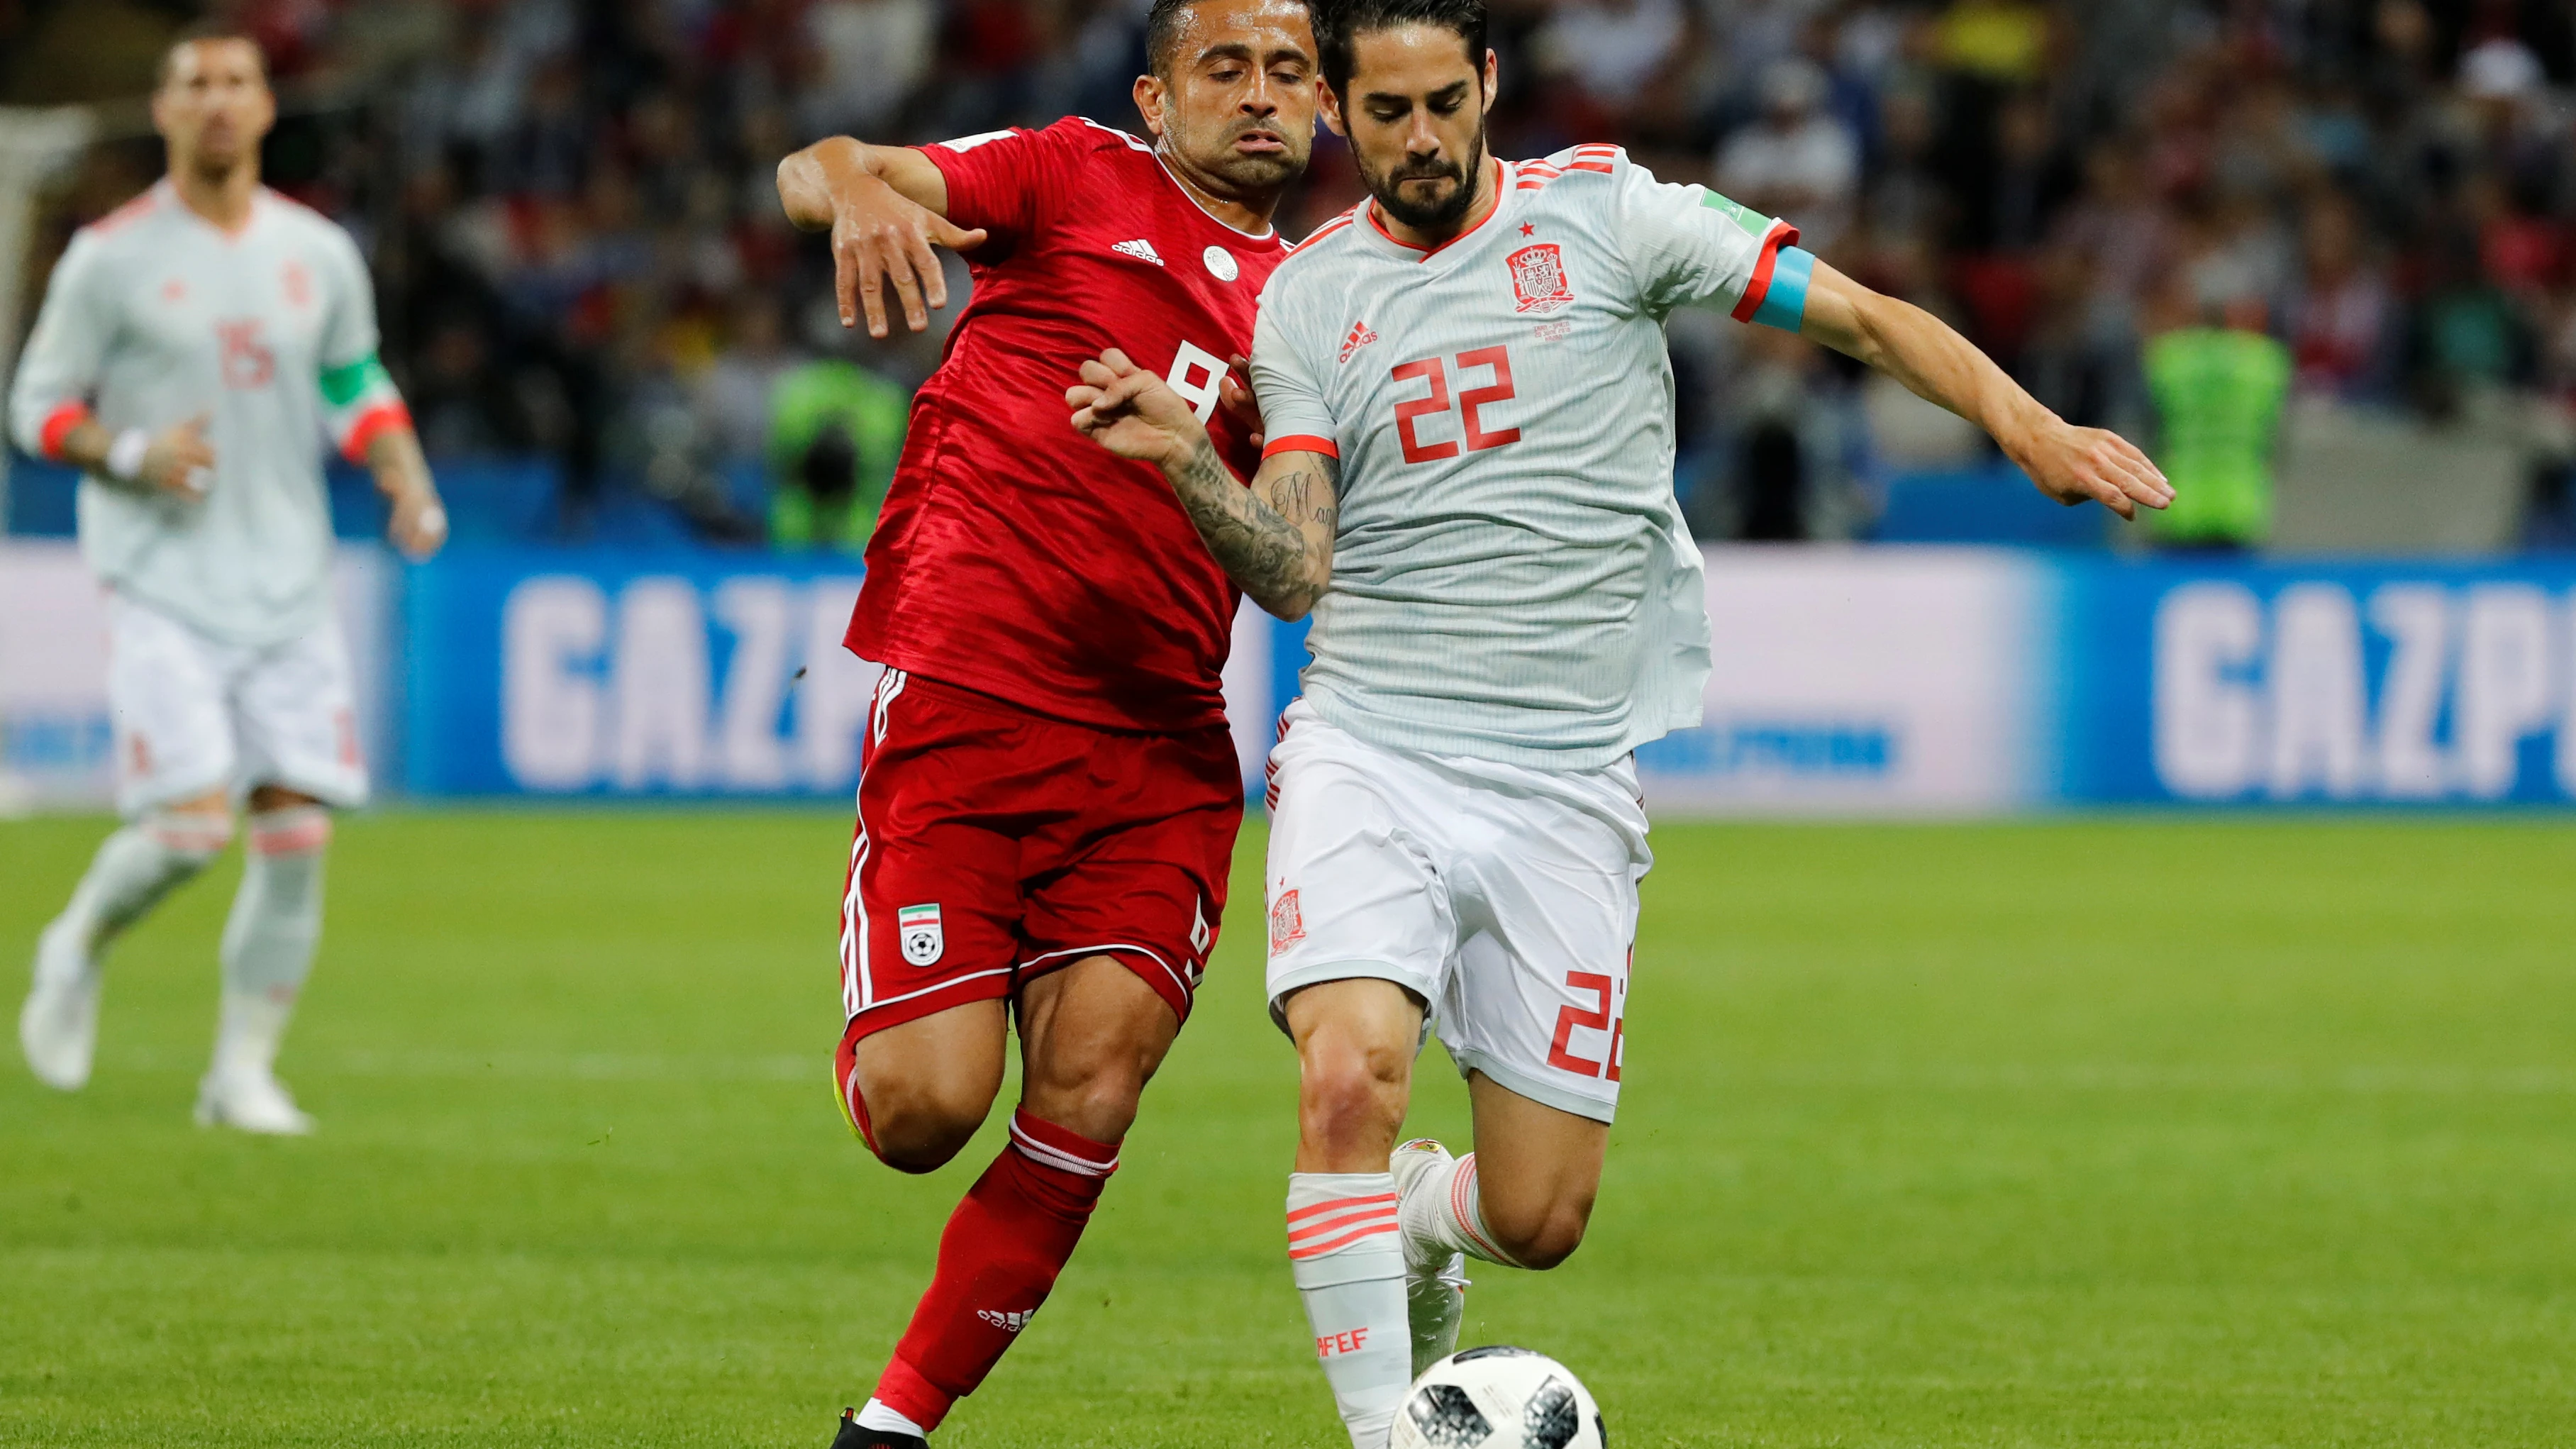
(1050,794)
(192,349)
(1468,480)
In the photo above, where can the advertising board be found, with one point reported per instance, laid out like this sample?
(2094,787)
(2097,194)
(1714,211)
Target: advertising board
(692,674)
(2378,685)
(1884,682)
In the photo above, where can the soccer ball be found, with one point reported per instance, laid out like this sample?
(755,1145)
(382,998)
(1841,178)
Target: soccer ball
(1498,1398)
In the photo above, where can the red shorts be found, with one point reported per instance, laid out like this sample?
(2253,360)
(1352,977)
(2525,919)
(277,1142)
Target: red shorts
(995,845)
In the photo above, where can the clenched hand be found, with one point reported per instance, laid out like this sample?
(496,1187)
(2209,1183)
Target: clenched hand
(1131,412)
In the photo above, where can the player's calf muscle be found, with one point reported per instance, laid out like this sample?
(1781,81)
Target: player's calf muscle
(1539,1229)
(1539,1171)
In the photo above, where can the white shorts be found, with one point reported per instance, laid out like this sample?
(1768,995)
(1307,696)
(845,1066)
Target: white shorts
(194,715)
(1506,898)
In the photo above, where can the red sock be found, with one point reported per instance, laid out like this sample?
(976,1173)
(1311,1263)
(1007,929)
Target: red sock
(997,1260)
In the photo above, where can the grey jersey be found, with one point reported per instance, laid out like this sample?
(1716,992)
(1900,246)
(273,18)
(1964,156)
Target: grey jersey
(154,316)
(1512,579)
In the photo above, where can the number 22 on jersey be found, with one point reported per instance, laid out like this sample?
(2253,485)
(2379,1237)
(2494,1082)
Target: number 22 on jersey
(1415,412)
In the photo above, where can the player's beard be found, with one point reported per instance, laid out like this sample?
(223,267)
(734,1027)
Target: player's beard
(1440,215)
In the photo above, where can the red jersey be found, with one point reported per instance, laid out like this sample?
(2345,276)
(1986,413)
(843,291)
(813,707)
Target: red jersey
(1013,555)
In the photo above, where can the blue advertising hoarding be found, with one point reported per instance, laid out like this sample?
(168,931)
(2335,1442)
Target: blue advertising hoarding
(1892,681)
(2278,684)
(534,672)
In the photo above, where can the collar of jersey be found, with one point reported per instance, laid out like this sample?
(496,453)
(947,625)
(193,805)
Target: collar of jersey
(166,193)
(1385,240)
(1265,234)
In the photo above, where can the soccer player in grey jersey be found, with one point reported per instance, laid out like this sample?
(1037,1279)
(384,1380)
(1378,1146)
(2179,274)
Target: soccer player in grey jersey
(1468,481)
(192,350)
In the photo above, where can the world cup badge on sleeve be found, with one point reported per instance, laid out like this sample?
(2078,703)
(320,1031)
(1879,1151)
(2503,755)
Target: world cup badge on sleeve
(1538,278)
(923,942)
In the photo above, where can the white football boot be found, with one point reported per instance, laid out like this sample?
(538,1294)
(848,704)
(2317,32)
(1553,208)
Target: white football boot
(249,1100)
(1435,1282)
(58,1027)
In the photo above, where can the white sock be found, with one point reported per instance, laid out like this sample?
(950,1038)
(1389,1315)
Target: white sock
(133,870)
(269,939)
(1345,1249)
(878,1416)
(1444,1214)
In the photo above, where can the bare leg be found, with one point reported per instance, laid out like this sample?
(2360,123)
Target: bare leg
(928,1084)
(1091,1036)
(1539,1169)
(1355,1046)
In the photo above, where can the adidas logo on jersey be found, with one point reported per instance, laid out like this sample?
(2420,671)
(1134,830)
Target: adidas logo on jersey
(1007,1322)
(1360,337)
(1142,251)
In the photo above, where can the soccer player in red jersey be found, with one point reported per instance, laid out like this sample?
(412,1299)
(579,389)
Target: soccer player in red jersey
(1049,794)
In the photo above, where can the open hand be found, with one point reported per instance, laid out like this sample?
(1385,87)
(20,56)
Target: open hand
(1131,412)
(181,460)
(879,235)
(2079,465)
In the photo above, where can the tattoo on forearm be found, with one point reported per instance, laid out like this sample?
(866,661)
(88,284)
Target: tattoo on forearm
(1263,547)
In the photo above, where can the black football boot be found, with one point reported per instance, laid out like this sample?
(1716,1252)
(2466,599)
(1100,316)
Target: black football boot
(854,1437)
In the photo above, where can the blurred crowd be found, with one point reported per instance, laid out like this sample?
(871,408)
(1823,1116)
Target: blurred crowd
(570,207)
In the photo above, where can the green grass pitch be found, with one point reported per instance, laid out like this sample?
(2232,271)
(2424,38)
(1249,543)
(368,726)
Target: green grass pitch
(2139,1132)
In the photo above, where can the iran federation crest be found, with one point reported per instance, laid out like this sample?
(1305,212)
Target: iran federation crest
(918,928)
(1538,278)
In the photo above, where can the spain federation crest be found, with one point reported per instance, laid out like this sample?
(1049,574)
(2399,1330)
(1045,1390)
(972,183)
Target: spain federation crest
(1538,278)
(923,941)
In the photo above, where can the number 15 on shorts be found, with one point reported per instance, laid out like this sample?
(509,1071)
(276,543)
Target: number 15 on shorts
(1590,1041)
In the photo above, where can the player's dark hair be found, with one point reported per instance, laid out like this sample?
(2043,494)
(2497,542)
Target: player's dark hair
(205,30)
(1340,23)
(1163,34)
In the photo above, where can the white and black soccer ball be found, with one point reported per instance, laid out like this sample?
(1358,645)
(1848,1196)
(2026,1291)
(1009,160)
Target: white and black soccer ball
(1498,1398)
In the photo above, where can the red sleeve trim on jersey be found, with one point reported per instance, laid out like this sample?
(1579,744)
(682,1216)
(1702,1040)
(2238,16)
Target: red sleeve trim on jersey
(1781,234)
(382,418)
(57,426)
(1301,443)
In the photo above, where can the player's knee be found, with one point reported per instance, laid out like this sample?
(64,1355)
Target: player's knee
(1541,1234)
(1350,1090)
(919,1127)
(191,838)
(1093,1093)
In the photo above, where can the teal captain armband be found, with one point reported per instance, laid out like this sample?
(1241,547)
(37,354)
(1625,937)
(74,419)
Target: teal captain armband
(1785,305)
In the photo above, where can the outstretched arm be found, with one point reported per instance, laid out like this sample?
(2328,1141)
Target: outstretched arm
(1274,539)
(2070,464)
(885,206)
